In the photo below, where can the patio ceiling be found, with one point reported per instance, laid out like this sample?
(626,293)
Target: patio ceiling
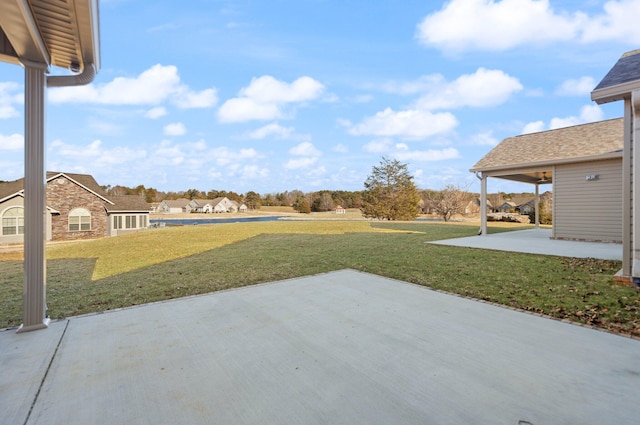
(57,33)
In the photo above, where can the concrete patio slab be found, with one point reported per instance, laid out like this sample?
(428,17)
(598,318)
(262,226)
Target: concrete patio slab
(337,348)
(537,241)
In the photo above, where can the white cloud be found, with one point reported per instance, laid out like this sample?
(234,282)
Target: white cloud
(495,25)
(500,25)
(12,142)
(267,89)
(617,23)
(188,99)
(96,153)
(484,139)
(403,152)
(588,113)
(241,109)
(577,87)
(305,149)
(265,98)
(411,124)
(175,129)
(297,163)
(9,99)
(485,87)
(153,86)
(533,127)
(273,129)
(155,113)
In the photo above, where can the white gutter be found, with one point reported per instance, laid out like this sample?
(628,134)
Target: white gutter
(85,77)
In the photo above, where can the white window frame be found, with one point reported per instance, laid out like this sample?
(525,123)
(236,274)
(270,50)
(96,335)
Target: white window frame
(79,220)
(18,221)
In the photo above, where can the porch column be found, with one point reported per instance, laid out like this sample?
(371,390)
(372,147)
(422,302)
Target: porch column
(627,177)
(635,185)
(536,200)
(34,292)
(483,205)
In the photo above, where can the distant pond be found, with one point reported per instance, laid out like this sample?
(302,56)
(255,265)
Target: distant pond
(195,221)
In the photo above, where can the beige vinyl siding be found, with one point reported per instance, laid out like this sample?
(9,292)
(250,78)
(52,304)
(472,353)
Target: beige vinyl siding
(588,210)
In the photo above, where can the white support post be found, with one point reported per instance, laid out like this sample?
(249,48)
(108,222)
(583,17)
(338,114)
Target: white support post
(635,185)
(34,293)
(483,205)
(537,206)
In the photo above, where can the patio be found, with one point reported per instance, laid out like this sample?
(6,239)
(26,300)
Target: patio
(537,241)
(341,348)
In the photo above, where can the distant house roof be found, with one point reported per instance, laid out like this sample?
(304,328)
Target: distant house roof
(620,81)
(8,189)
(112,203)
(177,203)
(569,144)
(128,203)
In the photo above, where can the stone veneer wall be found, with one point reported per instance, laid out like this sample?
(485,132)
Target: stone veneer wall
(64,195)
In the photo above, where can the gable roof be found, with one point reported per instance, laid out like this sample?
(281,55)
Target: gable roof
(563,145)
(620,81)
(129,203)
(86,181)
(177,203)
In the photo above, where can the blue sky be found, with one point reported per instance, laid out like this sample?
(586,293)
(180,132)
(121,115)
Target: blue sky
(310,94)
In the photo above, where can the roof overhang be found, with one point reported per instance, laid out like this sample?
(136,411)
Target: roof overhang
(537,172)
(620,81)
(63,34)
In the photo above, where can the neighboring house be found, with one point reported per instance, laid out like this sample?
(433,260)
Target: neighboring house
(527,207)
(173,206)
(223,205)
(507,207)
(473,207)
(77,208)
(129,213)
(339,210)
(583,163)
(199,206)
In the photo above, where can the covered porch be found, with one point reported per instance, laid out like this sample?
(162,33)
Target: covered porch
(583,166)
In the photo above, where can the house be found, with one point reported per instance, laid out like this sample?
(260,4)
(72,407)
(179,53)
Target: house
(583,163)
(199,206)
(224,205)
(76,208)
(338,210)
(173,206)
(622,83)
(507,207)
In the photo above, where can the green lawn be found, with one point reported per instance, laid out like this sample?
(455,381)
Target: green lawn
(167,263)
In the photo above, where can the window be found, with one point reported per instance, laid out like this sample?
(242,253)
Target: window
(130,221)
(13,221)
(117,222)
(79,220)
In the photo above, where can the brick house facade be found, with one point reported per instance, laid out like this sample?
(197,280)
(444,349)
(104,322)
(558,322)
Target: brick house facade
(77,208)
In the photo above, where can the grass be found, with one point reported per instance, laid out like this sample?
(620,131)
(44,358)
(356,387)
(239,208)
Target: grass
(110,273)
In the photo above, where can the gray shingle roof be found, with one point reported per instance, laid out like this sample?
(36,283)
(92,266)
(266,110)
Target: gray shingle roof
(621,80)
(562,145)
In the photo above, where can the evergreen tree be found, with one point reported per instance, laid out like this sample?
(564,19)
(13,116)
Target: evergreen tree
(390,193)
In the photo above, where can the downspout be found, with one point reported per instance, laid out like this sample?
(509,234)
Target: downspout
(85,77)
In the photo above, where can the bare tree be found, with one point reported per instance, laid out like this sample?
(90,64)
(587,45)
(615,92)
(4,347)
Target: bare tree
(449,201)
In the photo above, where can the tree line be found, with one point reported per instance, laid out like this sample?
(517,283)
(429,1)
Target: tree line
(389,194)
